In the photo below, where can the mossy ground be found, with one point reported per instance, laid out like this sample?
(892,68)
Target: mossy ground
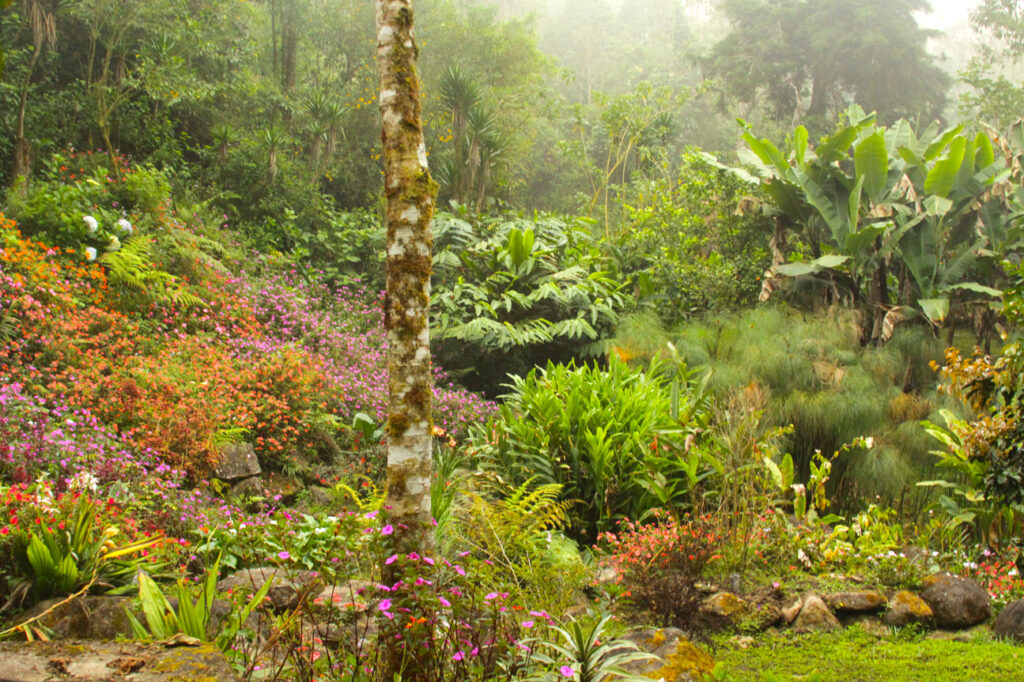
(853,655)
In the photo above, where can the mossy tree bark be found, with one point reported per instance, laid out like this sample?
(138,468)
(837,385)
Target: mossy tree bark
(410,208)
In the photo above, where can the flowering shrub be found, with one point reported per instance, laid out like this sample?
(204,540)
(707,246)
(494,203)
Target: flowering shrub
(281,359)
(658,564)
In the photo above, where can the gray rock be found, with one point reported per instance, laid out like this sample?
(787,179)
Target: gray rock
(906,608)
(956,602)
(1010,622)
(856,602)
(110,661)
(676,658)
(237,461)
(88,617)
(246,487)
(815,616)
(284,591)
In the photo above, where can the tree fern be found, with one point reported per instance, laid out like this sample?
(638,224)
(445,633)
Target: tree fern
(132,267)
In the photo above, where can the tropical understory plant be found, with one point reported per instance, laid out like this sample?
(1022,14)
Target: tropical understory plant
(619,441)
(511,293)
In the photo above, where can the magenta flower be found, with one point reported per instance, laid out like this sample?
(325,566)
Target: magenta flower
(567,671)
(491,595)
(384,605)
(444,602)
(387,530)
(527,623)
(284,555)
(391,559)
(458,656)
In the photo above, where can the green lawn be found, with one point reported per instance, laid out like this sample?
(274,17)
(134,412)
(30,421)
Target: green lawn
(854,655)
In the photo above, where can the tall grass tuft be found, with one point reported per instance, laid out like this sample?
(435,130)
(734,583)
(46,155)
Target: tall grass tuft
(810,371)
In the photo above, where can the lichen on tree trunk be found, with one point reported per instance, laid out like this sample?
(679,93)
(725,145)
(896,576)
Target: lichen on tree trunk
(410,207)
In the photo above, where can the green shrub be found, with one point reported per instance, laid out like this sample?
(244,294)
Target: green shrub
(620,441)
(695,242)
(511,293)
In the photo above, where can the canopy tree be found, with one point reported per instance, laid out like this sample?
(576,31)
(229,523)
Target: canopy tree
(808,59)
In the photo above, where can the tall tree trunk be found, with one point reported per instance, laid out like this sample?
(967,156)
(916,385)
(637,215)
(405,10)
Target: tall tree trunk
(289,46)
(22,148)
(410,208)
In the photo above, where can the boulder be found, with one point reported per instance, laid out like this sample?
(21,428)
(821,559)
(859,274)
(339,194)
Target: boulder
(956,602)
(856,602)
(1010,622)
(112,661)
(676,658)
(906,608)
(237,461)
(725,605)
(87,617)
(815,616)
(246,487)
(284,591)
(789,613)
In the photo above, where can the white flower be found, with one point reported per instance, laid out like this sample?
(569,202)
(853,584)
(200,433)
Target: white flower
(114,244)
(126,227)
(91,222)
(869,442)
(90,252)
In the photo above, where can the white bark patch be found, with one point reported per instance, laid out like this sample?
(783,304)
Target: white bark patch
(388,96)
(392,118)
(385,34)
(401,243)
(411,215)
(421,153)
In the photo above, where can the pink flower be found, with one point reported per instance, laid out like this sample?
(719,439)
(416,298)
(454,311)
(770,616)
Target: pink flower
(491,595)
(387,530)
(458,656)
(527,623)
(283,555)
(384,605)
(444,602)
(391,559)
(567,671)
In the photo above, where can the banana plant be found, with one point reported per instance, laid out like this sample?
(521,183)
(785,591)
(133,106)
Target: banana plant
(873,206)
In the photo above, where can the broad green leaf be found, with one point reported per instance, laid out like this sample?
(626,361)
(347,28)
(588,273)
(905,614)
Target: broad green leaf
(978,289)
(986,155)
(935,205)
(836,146)
(901,134)
(854,204)
(865,237)
(942,176)
(767,152)
(809,268)
(871,162)
(800,144)
(817,198)
(39,557)
(944,140)
(935,309)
